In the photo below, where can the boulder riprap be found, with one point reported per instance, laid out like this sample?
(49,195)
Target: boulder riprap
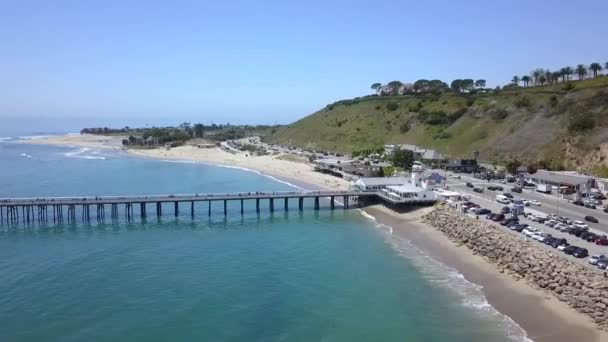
(582,288)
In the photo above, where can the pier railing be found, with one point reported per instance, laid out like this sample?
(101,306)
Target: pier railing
(51,209)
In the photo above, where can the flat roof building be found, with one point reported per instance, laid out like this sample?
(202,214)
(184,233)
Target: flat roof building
(378,183)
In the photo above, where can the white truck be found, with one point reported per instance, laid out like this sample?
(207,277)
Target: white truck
(544,188)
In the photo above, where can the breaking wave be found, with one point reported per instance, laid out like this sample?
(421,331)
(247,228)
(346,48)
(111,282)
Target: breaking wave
(81,153)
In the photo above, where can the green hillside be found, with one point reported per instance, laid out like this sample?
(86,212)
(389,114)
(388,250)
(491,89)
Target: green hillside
(561,126)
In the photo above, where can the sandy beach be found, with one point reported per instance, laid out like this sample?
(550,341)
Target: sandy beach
(544,318)
(299,172)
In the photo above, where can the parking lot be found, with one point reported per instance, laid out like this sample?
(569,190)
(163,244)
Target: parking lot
(487,199)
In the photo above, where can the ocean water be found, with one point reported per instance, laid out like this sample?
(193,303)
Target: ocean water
(286,276)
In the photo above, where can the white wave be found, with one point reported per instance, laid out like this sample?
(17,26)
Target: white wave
(438,274)
(25,155)
(79,153)
(5,138)
(76,152)
(93,157)
(33,137)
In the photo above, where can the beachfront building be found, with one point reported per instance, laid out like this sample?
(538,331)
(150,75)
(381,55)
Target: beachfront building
(414,191)
(368,184)
(565,181)
(462,165)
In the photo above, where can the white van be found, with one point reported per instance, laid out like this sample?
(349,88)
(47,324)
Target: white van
(502,199)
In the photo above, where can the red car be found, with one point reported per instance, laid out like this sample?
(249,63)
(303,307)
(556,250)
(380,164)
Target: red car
(602,241)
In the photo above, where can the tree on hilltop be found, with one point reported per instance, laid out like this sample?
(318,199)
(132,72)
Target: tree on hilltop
(515,80)
(526,80)
(421,85)
(480,83)
(456,85)
(376,86)
(566,73)
(581,71)
(394,87)
(595,68)
(468,84)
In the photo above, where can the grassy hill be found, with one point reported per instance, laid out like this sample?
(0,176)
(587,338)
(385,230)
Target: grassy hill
(553,126)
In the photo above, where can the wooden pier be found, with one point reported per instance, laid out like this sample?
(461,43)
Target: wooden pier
(57,210)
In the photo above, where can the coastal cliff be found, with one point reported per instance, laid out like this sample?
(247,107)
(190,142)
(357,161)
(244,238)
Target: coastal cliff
(581,288)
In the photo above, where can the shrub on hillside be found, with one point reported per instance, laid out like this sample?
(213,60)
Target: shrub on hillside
(581,123)
(499,114)
(378,107)
(404,127)
(568,86)
(470,102)
(523,102)
(443,135)
(456,115)
(392,106)
(553,101)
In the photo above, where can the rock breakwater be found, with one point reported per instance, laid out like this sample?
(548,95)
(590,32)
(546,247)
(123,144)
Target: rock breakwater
(580,287)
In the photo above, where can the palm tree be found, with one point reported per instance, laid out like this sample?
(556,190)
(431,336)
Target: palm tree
(542,79)
(515,80)
(567,71)
(555,76)
(581,71)
(595,67)
(536,74)
(548,76)
(526,80)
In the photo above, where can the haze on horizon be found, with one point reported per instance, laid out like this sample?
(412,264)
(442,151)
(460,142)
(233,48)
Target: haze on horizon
(270,62)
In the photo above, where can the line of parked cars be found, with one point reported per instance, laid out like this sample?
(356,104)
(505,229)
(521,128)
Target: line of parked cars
(573,227)
(599,260)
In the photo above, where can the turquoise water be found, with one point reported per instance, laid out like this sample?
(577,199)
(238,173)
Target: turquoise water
(287,276)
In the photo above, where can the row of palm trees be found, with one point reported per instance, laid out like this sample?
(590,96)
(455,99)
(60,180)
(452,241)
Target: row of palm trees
(541,77)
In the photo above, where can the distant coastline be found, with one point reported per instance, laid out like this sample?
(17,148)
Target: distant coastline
(530,308)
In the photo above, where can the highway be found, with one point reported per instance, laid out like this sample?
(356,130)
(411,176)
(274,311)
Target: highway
(550,204)
(488,200)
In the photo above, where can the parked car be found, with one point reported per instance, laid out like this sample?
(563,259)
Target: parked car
(550,223)
(580,252)
(518,227)
(497,217)
(563,247)
(530,231)
(505,210)
(602,264)
(603,241)
(589,236)
(526,202)
(470,185)
(479,190)
(595,258)
(590,205)
(570,249)
(509,220)
(481,211)
(606,210)
(579,203)
(516,189)
(557,242)
(535,202)
(591,219)
(507,195)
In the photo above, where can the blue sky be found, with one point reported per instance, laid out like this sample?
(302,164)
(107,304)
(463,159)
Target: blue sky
(269,61)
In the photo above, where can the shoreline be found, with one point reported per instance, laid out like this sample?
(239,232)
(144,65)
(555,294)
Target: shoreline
(542,317)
